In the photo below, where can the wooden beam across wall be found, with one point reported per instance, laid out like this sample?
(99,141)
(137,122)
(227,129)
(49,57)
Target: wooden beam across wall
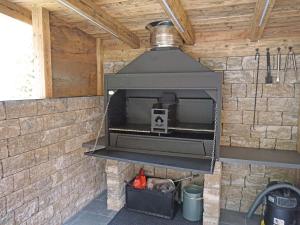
(298,138)
(15,11)
(42,46)
(100,70)
(101,19)
(177,14)
(261,16)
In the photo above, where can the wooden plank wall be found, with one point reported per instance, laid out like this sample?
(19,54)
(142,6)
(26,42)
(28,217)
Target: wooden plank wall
(74,64)
(206,47)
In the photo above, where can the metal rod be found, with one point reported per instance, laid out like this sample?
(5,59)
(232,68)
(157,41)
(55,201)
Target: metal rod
(264,13)
(257,58)
(278,64)
(102,122)
(174,18)
(187,178)
(89,18)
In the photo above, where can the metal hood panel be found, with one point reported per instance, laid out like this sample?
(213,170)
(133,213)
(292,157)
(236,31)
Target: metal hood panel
(163,61)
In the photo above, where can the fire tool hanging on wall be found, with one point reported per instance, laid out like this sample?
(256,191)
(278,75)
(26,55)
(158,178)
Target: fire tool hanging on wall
(269,79)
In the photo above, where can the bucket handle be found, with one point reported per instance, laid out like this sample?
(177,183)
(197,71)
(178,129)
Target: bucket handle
(201,198)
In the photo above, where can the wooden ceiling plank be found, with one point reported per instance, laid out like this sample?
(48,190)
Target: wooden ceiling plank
(13,10)
(42,46)
(90,11)
(261,16)
(177,14)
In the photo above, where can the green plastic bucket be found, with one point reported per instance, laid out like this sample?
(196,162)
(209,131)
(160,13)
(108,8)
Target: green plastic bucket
(193,203)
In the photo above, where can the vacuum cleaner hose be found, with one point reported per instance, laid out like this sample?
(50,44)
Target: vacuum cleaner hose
(261,196)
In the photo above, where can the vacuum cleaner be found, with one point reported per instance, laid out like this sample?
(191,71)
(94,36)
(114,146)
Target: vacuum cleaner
(282,204)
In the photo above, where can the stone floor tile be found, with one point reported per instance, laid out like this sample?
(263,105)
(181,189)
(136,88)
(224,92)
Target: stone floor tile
(86,218)
(100,208)
(102,196)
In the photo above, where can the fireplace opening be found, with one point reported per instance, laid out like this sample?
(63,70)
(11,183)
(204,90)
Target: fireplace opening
(168,122)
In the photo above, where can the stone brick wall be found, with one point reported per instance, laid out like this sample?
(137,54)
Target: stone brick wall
(277,104)
(241,183)
(44,176)
(276,124)
(212,196)
(117,173)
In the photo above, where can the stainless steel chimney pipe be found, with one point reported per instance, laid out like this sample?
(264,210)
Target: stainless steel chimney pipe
(164,34)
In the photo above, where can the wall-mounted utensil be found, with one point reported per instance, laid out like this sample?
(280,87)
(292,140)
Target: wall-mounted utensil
(278,64)
(269,79)
(257,58)
(290,58)
(293,57)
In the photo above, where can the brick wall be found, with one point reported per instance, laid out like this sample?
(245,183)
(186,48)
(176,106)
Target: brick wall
(241,183)
(276,125)
(276,128)
(44,176)
(277,105)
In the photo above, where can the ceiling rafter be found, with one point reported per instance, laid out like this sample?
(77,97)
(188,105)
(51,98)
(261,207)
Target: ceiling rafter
(177,14)
(13,10)
(91,12)
(261,16)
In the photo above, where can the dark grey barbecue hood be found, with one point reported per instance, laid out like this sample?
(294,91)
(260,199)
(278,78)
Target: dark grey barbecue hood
(171,60)
(164,108)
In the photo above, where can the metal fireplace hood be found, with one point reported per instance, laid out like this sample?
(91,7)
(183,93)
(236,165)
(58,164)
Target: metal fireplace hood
(163,109)
(163,60)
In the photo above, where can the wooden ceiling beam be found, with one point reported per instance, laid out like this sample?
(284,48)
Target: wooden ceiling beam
(261,16)
(15,11)
(101,19)
(177,14)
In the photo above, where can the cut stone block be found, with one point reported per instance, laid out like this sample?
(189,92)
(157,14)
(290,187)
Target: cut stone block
(18,163)
(31,125)
(238,77)
(19,109)
(9,128)
(48,106)
(234,63)
(24,143)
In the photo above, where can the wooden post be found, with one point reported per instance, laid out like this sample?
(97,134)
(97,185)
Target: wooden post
(100,71)
(298,139)
(42,47)
(297,95)
(298,136)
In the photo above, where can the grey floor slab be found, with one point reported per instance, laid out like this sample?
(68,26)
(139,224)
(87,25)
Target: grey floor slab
(95,213)
(235,218)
